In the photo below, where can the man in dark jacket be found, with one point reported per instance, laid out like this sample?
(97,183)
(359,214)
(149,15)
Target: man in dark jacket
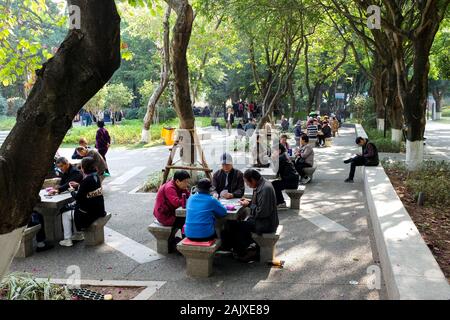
(259,215)
(69,173)
(369,157)
(228,182)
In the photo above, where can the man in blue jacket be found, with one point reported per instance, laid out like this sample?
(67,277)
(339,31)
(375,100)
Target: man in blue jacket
(201,212)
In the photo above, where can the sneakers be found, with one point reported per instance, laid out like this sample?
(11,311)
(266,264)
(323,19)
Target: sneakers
(305,180)
(66,243)
(79,236)
(106,174)
(282,206)
(348,180)
(46,246)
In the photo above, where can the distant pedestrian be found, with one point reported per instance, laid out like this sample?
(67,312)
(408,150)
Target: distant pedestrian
(102,142)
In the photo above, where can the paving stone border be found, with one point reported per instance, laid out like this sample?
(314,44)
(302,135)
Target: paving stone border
(409,268)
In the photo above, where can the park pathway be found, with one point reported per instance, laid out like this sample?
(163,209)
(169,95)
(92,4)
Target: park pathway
(327,245)
(3,135)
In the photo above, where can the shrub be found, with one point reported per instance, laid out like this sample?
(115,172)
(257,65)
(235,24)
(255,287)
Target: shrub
(432,178)
(7,123)
(446,111)
(384,144)
(22,286)
(14,104)
(155,179)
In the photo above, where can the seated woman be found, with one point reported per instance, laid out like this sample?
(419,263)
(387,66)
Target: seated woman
(201,212)
(304,159)
(100,163)
(89,206)
(289,177)
(168,199)
(82,143)
(325,133)
(283,141)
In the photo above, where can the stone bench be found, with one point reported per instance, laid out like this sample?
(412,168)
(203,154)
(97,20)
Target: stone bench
(95,234)
(199,259)
(310,171)
(162,235)
(328,142)
(295,195)
(27,245)
(266,243)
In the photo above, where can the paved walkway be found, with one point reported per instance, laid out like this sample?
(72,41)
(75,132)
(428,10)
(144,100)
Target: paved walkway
(3,135)
(327,246)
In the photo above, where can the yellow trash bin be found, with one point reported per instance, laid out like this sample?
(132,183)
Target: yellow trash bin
(168,135)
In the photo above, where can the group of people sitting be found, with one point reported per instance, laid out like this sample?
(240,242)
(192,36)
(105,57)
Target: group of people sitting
(258,214)
(319,128)
(86,189)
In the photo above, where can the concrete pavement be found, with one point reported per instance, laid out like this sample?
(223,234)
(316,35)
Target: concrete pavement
(319,263)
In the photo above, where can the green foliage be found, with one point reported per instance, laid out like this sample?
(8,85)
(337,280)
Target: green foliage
(363,109)
(446,111)
(3,105)
(384,144)
(14,104)
(117,96)
(22,286)
(432,178)
(155,179)
(7,123)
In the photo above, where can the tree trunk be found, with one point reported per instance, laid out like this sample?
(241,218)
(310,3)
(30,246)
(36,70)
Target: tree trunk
(85,61)
(181,36)
(163,81)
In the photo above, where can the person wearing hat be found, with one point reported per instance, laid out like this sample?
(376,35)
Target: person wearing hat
(228,182)
(298,132)
(201,212)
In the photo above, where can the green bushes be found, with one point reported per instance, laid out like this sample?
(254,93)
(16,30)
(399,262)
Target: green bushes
(385,144)
(446,111)
(363,109)
(154,180)
(432,178)
(7,123)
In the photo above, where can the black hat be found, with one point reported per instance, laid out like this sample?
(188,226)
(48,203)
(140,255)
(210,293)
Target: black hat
(204,185)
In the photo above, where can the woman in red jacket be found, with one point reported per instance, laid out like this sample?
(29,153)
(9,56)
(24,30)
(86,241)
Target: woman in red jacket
(168,199)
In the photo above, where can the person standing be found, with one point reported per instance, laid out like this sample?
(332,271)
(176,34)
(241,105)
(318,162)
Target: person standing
(229,119)
(369,157)
(103,142)
(298,132)
(335,127)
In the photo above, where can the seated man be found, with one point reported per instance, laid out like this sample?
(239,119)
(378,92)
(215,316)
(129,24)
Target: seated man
(288,177)
(304,159)
(82,143)
(228,182)
(100,163)
(259,216)
(312,130)
(369,157)
(69,173)
(168,199)
(284,124)
(323,134)
(201,210)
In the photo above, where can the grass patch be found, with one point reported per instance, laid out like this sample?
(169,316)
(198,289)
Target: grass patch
(446,111)
(128,132)
(7,123)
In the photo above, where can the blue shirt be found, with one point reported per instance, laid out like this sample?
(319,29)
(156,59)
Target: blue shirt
(201,209)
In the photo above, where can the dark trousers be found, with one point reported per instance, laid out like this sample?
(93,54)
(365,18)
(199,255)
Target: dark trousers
(280,185)
(320,140)
(238,236)
(299,166)
(37,218)
(103,154)
(356,162)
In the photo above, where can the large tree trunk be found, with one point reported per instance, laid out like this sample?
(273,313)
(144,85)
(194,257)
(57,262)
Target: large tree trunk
(85,61)
(163,81)
(181,36)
